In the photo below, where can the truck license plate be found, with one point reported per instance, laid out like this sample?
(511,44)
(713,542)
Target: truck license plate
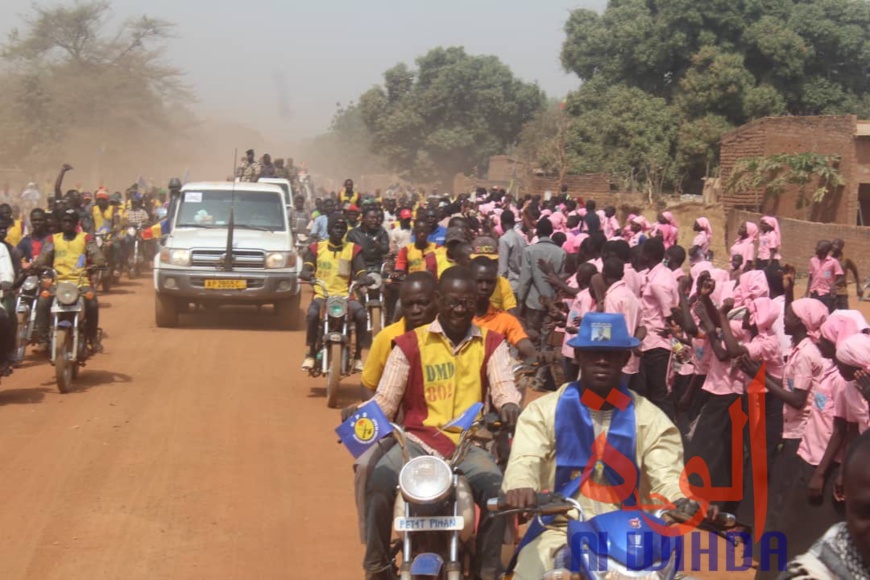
(433,524)
(226,284)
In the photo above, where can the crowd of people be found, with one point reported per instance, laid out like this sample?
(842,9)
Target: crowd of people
(601,303)
(58,234)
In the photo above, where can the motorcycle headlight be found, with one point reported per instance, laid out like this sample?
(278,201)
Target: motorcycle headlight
(276,260)
(175,257)
(67,293)
(336,307)
(425,479)
(30,283)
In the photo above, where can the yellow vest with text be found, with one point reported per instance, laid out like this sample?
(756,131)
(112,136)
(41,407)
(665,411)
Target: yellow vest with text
(335,268)
(441,385)
(70,257)
(14,233)
(101,217)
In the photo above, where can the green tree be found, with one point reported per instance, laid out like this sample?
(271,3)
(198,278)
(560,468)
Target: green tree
(720,63)
(449,115)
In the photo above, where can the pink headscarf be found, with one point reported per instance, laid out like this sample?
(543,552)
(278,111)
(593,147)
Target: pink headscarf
(855,351)
(763,312)
(750,285)
(705,225)
(670,217)
(838,328)
(642,222)
(751,232)
(813,314)
(774,223)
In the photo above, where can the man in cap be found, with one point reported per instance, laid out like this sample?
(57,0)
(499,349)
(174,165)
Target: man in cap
(400,235)
(104,215)
(455,251)
(336,262)
(546,455)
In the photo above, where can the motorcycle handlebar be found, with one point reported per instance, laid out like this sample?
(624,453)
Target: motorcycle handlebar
(547,503)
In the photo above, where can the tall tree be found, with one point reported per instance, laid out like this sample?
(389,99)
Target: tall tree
(78,84)
(720,63)
(449,115)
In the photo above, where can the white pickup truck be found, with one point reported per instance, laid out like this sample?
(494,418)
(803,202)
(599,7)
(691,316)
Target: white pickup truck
(195,266)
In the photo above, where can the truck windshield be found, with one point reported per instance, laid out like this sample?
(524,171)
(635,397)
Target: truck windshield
(211,209)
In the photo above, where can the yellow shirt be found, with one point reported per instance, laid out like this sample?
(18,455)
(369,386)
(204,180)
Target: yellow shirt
(503,298)
(101,217)
(335,267)
(382,346)
(15,233)
(70,257)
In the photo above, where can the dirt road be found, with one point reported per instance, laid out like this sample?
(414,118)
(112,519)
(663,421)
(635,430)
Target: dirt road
(199,452)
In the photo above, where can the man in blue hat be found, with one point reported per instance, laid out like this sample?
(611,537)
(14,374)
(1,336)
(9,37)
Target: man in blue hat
(555,436)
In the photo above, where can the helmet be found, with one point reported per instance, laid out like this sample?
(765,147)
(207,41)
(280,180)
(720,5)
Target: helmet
(102,193)
(174,183)
(116,197)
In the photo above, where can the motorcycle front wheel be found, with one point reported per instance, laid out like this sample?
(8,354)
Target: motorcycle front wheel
(333,376)
(22,337)
(377,320)
(63,366)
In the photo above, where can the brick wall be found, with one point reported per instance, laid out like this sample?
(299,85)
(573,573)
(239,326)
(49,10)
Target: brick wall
(828,135)
(585,185)
(799,238)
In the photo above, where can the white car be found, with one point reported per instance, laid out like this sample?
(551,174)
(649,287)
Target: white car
(193,265)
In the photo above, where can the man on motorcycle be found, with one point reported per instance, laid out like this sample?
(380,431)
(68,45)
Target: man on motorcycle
(481,370)
(299,216)
(546,455)
(135,217)
(38,239)
(70,254)
(103,213)
(336,262)
(320,226)
(372,238)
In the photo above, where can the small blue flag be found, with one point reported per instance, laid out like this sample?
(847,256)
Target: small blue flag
(466,420)
(364,428)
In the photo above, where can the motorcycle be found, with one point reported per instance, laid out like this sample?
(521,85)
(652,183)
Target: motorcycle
(105,279)
(622,544)
(301,244)
(25,310)
(334,341)
(69,347)
(434,513)
(138,257)
(374,301)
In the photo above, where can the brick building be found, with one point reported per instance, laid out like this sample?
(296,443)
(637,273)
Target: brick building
(845,136)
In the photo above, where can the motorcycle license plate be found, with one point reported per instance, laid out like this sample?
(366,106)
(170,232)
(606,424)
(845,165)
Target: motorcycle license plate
(226,284)
(430,524)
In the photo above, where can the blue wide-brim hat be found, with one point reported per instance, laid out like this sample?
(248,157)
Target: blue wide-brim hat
(603,331)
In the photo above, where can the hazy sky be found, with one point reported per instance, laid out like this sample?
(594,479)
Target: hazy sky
(250,60)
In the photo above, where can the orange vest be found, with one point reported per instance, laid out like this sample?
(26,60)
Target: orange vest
(442,386)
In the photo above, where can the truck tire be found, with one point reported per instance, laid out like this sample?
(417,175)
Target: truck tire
(165,312)
(287,311)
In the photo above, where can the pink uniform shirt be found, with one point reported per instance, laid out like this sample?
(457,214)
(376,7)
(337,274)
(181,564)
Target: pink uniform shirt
(658,297)
(820,422)
(851,406)
(803,371)
(766,243)
(824,273)
(621,300)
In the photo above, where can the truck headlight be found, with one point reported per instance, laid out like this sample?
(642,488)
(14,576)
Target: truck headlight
(425,479)
(276,260)
(175,257)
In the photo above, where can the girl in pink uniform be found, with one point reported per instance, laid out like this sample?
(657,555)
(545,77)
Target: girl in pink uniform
(769,242)
(703,236)
(744,246)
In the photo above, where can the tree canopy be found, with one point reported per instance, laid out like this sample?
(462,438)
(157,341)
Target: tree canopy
(687,71)
(73,83)
(448,115)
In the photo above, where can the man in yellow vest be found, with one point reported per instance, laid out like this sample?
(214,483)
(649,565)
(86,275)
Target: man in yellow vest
(475,365)
(70,253)
(103,213)
(15,231)
(336,262)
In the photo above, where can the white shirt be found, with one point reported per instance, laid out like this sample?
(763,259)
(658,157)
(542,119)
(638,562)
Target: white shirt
(7,273)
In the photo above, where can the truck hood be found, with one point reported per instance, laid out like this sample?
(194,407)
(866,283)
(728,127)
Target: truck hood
(188,238)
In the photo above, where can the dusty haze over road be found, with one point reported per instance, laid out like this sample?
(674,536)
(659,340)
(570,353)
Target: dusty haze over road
(280,67)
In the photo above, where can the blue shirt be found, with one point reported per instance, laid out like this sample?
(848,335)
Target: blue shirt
(436,237)
(320,228)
